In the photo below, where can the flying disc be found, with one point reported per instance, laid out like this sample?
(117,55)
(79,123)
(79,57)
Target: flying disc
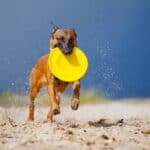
(69,67)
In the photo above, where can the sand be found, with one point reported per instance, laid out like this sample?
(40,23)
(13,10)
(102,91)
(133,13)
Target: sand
(119,126)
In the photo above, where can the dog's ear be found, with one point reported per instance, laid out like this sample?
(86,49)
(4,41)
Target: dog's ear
(54,28)
(74,32)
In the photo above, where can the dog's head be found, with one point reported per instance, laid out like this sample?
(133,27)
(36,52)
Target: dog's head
(65,39)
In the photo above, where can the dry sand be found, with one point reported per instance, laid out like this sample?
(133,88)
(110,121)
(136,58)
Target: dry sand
(119,126)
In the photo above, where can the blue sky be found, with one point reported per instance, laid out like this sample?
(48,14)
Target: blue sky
(114,34)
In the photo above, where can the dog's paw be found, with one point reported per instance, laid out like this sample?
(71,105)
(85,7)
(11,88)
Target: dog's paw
(56,111)
(30,119)
(75,103)
(49,120)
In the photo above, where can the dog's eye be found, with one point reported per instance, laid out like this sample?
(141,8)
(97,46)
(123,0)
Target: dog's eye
(61,38)
(71,40)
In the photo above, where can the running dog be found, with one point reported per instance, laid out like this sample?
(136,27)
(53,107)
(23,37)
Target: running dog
(66,40)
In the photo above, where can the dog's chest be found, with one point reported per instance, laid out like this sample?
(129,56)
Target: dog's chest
(60,86)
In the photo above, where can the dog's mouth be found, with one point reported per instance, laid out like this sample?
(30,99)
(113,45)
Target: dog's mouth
(65,46)
(67,50)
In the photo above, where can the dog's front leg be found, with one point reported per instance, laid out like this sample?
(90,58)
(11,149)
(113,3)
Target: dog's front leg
(55,109)
(76,95)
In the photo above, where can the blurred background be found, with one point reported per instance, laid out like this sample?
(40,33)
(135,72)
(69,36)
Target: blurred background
(114,34)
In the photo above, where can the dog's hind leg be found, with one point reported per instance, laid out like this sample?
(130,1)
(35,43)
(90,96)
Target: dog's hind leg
(35,87)
(76,95)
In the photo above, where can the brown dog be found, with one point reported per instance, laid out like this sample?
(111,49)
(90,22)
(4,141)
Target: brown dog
(40,75)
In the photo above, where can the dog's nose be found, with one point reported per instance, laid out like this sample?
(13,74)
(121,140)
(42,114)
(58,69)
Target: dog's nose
(67,48)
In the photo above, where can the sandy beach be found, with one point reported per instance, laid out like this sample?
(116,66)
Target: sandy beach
(107,126)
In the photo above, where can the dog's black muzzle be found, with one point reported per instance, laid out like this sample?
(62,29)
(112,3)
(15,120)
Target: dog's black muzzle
(66,48)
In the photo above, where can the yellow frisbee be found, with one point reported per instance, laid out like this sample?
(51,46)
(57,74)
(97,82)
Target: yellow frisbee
(68,67)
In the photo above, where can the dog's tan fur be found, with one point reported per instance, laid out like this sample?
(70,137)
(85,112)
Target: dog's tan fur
(41,75)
